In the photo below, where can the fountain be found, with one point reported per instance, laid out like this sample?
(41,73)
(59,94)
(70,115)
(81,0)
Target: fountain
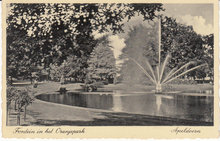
(157,76)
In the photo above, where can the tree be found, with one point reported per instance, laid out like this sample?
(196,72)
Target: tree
(185,45)
(11,96)
(102,63)
(209,55)
(43,18)
(52,32)
(181,41)
(23,53)
(24,99)
(21,97)
(70,68)
(17,62)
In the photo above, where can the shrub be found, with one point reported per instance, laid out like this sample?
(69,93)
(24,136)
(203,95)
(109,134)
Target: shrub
(183,81)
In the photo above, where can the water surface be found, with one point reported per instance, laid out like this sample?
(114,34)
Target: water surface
(198,108)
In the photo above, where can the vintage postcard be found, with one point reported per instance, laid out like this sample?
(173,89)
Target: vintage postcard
(125,69)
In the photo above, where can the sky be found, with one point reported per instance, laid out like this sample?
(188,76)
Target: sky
(200,16)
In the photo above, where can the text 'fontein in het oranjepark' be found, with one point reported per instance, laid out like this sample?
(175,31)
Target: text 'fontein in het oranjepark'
(157,76)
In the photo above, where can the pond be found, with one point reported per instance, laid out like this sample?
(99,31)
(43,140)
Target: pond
(189,107)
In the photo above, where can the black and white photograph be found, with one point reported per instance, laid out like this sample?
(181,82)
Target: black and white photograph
(110,64)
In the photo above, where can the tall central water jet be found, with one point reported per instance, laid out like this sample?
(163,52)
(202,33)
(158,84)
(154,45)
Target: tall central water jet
(157,76)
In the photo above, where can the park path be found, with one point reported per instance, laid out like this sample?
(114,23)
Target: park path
(41,110)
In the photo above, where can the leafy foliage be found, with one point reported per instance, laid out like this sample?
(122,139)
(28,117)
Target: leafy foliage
(21,98)
(102,64)
(208,44)
(186,45)
(70,68)
(47,34)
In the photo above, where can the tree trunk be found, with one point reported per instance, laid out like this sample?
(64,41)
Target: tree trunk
(15,106)
(7,114)
(11,80)
(18,117)
(31,78)
(25,108)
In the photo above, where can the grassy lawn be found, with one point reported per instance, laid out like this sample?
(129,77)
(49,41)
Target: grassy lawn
(172,87)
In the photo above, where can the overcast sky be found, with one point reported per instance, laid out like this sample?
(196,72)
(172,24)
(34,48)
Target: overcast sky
(200,16)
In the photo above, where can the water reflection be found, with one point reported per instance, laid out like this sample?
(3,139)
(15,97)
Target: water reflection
(117,103)
(177,106)
(161,102)
(158,102)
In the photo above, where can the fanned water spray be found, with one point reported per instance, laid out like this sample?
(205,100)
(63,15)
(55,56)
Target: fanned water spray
(157,75)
